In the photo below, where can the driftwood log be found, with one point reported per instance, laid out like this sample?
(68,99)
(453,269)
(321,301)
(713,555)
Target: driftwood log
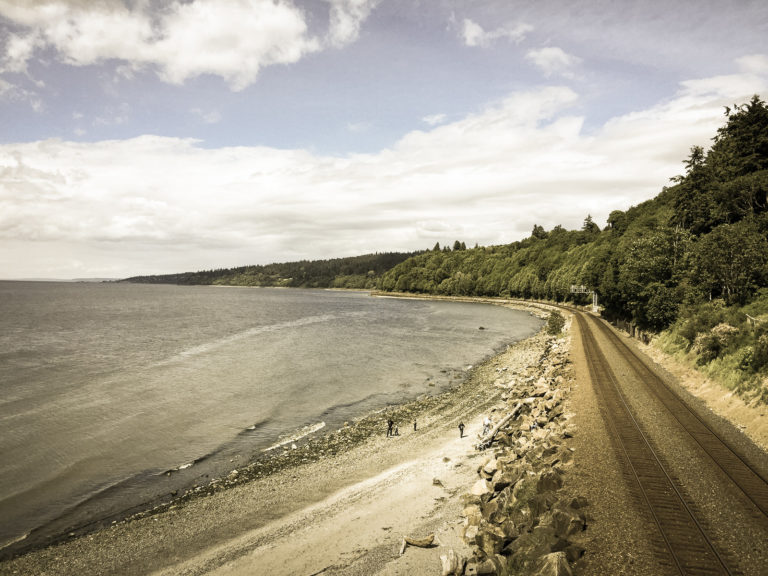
(486,440)
(419,542)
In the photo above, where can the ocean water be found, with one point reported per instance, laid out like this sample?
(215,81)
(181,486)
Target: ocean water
(105,388)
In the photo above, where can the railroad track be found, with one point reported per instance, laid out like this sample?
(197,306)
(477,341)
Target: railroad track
(687,546)
(744,475)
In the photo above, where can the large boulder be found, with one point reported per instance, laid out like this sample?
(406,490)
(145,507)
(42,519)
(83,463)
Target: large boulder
(506,477)
(539,504)
(452,564)
(530,546)
(567,521)
(488,567)
(549,481)
(554,564)
(488,468)
(490,539)
(481,487)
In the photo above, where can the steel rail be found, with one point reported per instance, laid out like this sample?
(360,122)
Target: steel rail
(687,542)
(744,475)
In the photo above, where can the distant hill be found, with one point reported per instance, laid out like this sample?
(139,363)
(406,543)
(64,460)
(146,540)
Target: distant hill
(358,272)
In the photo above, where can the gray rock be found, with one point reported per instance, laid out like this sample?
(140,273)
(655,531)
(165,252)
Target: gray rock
(493,566)
(554,564)
(549,481)
(574,552)
(533,545)
(452,564)
(566,521)
(541,503)
(491,539)
(506,477)
(481,487)
(488,469)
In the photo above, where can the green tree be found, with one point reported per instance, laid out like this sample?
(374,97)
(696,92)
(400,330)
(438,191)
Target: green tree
(538,232)
(741,145)
(589,226)
(731,260)
(693,199)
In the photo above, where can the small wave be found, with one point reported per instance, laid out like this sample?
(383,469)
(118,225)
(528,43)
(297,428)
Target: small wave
(209,346)
(13,541)
(303,432)
(184,466)
(245,431)
(253,427)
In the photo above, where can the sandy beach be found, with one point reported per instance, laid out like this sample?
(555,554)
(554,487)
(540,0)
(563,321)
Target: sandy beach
(338,504)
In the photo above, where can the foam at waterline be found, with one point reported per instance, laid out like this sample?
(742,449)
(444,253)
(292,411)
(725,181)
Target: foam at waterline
(218,450)
(303,432)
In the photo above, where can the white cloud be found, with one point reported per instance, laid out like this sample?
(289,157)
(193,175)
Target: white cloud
(207,116)
(12,92)
(346,18)
(486,178)
(18,50)
(474,34)
(754,63)
(359,127)
(233,39)
(553,60)
(434,119)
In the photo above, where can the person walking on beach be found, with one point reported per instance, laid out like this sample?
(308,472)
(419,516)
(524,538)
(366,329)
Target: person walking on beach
(461,429)
(390,423)
(414,425)
(486,425)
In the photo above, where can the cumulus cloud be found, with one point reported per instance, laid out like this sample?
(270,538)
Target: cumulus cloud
(486,178)
(233,39)
(18,50)
(346,19)
(474,34)
(553,60)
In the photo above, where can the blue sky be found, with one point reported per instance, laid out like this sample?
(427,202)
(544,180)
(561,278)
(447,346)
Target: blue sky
(148,136)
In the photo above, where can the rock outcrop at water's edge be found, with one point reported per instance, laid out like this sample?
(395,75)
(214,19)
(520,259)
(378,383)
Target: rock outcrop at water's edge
(517,517)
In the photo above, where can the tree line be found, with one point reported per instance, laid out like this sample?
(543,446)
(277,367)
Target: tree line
(356,272)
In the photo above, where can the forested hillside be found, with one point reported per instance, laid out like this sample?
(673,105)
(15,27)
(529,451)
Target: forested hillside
(359,272)
(693,260)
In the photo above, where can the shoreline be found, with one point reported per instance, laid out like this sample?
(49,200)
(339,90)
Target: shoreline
(316,446)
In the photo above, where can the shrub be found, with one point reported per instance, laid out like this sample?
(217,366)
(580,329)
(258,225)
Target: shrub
(707,346)
(760,353)
(555,323)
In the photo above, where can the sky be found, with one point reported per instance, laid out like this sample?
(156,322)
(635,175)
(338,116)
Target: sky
(160,136)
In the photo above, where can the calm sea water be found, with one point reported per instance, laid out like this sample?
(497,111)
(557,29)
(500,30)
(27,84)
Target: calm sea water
(106,387)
